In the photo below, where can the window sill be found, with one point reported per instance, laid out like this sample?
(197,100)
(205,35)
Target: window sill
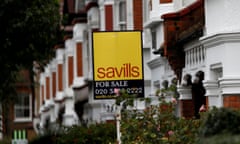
(22,120)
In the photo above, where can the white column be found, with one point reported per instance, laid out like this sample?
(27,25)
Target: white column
(42,88)
(42,97)
(129,7)
(53,69)
(59,92)
(78,31)
(59,61)
(47,75)
(213,93)
(69,52)
(69,117)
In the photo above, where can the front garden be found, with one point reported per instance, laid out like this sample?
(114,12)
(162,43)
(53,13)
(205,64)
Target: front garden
(157,124)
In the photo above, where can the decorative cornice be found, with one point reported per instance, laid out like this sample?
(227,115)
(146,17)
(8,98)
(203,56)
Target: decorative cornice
(210,84)
(156,62)
(185,92)
(212,88)
(230,85)
(220,38)
(151,23)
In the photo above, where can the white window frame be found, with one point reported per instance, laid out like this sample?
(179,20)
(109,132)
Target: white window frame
(146,10)
(121,21)
(23,119)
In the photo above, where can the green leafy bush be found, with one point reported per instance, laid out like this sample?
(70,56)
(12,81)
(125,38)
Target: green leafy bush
(102,133)
(221,139)
(45,139)
(157,124)
(220,126)
(220,121)
(5,141)
(94,134)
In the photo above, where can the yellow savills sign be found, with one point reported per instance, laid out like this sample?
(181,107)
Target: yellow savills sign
(117,63)
(117,55)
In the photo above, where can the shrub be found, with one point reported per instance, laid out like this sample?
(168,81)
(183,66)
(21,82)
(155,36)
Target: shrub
(220,126)
(102,133)
(157,124)
(5,141)
(93,134)
(45,139)
(220,121)
(221,139)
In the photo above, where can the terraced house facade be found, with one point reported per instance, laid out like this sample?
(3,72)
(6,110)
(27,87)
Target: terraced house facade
(195,42)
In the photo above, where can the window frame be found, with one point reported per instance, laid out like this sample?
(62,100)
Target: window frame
(23,107)
(154,39)
(122,17)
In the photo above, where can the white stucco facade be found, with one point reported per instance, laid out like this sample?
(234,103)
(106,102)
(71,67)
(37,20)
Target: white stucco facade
(215,53)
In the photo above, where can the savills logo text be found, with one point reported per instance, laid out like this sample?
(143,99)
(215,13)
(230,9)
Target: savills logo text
(127,70)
